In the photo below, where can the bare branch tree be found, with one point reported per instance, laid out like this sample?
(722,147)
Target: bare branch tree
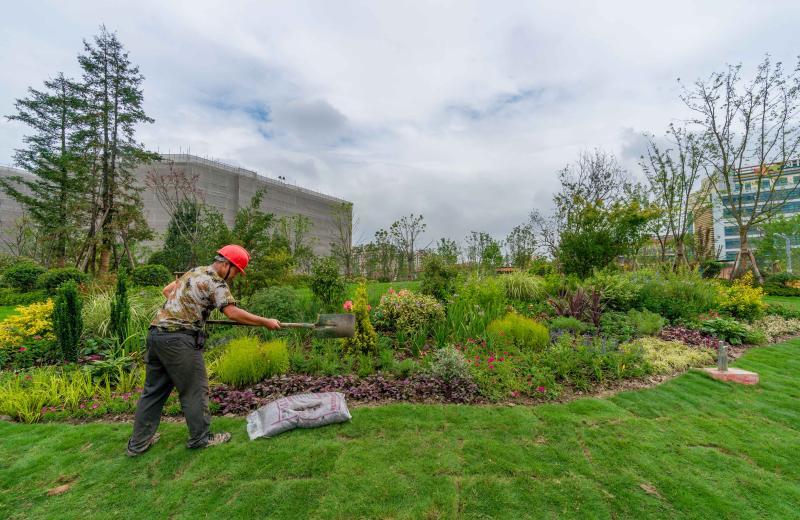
(751,130)
(673,173)
(405,233)
(342,226)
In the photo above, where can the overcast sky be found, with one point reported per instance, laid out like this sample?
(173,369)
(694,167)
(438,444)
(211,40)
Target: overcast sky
(462,111)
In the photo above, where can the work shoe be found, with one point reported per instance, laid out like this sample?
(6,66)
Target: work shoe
(153,440)
(217,438)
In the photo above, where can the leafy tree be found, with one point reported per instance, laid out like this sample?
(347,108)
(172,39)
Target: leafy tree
(751,131)
(293,234)
(405,233)
(113,96)
(342,230)
(483,250)
(521,245)
(448,250)
(492,255)
(385,254)
(54,153)
(326,284)
(438,277)
(597,235)
(771,245)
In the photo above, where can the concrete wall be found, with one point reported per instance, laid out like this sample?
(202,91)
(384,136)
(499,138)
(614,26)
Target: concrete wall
(225,187)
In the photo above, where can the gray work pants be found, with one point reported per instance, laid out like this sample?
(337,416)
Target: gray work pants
(172,362)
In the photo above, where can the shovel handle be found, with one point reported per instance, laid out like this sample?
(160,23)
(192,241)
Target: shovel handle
(283,325)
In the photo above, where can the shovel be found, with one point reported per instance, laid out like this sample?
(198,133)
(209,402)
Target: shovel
(327,325)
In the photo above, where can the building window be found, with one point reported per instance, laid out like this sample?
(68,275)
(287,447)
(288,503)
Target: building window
(747,187)
(783,181)
(764,185)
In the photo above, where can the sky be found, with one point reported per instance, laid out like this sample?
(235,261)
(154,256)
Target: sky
(461,111)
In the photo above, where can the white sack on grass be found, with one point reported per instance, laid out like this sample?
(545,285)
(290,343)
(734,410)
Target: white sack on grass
(297,411)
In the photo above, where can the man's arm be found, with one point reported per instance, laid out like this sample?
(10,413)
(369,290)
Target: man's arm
(242,316)
(169,289)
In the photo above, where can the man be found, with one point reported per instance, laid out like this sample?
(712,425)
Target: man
(174,354)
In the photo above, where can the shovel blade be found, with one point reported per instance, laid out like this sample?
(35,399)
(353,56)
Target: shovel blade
(335,326)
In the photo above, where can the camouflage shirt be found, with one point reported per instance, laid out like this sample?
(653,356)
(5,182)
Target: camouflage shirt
(198,292)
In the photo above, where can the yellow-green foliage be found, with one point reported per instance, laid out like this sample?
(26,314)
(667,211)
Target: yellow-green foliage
(667,357)
(519,332)
(29,321)
(522,286)
(24,395)
(742,300)
(775,327)
(248,360)
(365,340)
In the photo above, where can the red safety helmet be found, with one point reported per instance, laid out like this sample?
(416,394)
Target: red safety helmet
(237,255)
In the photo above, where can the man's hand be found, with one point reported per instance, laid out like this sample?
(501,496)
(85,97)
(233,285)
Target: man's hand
(272,324)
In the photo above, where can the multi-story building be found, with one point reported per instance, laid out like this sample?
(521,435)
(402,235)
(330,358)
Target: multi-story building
(770,183)
(224,187)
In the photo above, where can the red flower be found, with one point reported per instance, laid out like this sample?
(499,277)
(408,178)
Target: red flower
(22,349)
(491,367)
(348,305)
(541,389)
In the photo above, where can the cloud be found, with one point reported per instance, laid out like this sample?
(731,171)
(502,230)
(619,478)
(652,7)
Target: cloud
(462,111)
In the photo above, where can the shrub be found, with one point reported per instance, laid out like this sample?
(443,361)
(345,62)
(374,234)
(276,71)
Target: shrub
(524,287)
(407,312)
(620,291)
(52,278)
(775,327)
(67,320)
(23,275)
(579,304)
(12,297)
(691,337)
(680,296)
(29,321)
(438,278)
(568,324)
(782,284)
(617,326)
(515,331)
(151,275)
(667,357)
(326,284)
(711,268)
(365,340)
(280,302)
(449,364)
(755,336)
(782,311)
(542,267)
(645,323)
(247,361)
(725,329)
(582,364)
(495,373)
(120,310)
(743,301)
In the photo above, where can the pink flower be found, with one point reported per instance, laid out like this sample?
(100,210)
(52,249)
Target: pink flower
(502,359)
(348,305)
(391,291)
(515,394)
(82,406)
(369,307)
(22,349)
(491,359)
(491,367)
(94,406)
(37,337)
(541,389)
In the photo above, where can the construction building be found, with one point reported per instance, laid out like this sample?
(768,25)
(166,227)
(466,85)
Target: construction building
(222,186)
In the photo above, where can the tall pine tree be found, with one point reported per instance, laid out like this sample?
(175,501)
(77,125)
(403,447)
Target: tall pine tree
(54,152)
(113,87)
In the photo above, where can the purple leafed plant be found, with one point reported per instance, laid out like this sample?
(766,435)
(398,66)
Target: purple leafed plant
(691,337)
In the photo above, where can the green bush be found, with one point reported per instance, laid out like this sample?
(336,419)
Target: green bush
(326,283)
(247,361)
(52,278)
(407,312)
(743,301)
(23,275)
(151,275)
(515,331)
(449,364)
(365,340)
(620,291)
(67,320)
(12,297)
(617,326)
(680,296)
(726,329)
(438,278)
(542,267)
(711,268)
(646,323)
(583,365)
(523,287)
(569,324)
(280,302)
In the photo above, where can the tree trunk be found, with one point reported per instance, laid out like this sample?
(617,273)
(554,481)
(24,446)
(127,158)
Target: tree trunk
(680,254)
(745,259)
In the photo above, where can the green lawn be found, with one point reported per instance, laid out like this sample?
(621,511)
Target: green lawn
(690,448)
(787,301)
(6,311)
